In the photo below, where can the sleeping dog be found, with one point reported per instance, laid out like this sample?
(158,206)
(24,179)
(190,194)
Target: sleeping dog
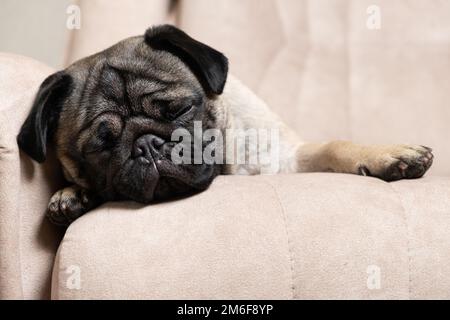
(112,116)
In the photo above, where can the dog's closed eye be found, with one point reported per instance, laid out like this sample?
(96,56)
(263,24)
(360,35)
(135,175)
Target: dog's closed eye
(172,113)
(172,110)
(108,130)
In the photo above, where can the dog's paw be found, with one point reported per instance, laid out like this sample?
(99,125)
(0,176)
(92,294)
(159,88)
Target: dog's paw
(398,162)
(68,204)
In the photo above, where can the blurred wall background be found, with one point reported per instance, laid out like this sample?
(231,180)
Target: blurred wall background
(38,28)
(35,29)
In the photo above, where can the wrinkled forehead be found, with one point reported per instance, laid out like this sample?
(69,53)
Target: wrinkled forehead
(126,73)
(135,57)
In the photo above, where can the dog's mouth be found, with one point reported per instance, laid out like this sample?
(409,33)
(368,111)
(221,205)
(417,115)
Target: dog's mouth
(153,176)
(137,180)
(139,176)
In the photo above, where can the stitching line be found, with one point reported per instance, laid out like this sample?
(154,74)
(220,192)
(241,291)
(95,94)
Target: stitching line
(408,243)
(289,243)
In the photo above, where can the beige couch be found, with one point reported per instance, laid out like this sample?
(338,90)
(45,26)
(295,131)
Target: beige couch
(288,236)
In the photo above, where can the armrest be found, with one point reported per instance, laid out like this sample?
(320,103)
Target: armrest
(298,236)
(27,241)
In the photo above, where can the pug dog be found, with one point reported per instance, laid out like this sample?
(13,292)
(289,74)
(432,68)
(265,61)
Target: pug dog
(111,117)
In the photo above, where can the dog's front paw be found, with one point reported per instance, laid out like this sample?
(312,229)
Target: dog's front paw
(398,162)
(68,204)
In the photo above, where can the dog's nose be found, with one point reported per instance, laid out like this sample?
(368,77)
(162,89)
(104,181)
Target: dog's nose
(147,146)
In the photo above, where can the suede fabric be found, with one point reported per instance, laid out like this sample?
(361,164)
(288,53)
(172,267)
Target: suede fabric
(301,236)
(298,236)
(27,240)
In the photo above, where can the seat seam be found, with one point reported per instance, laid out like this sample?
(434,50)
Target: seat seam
(289,242)
(408,242)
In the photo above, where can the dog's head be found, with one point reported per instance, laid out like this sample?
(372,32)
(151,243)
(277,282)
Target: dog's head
(111,115)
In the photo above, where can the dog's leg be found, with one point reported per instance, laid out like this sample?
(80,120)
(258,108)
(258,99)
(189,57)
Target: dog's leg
(69,203)
(387,162)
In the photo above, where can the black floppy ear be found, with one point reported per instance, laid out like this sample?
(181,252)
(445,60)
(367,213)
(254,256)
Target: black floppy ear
(41,122)
(209,65)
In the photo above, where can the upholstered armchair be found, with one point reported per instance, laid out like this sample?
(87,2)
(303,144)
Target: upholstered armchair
(300,236)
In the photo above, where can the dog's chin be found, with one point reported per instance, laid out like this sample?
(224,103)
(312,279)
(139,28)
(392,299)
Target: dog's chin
(136,180)
(146,181)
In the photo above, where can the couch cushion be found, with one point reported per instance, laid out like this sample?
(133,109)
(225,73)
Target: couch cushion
(28,242)
(285,236)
